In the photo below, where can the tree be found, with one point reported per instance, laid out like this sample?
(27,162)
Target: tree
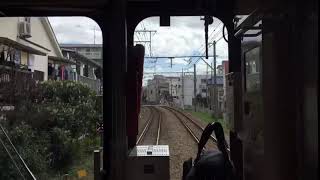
(50,126)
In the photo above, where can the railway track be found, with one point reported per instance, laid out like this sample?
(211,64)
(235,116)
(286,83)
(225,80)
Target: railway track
(194,129)
(152,127)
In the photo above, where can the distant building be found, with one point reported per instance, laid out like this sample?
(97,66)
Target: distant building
(88,58)
(222,70)
(91,51)
(220,91)
(86,71)
(225,71)
(174,86)
(157,89)
(178,90)
(188,89)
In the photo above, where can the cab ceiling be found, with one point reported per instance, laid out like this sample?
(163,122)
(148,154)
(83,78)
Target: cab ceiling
(78,7)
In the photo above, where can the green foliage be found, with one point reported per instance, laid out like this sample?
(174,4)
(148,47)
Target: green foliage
(209,118)
(52,127)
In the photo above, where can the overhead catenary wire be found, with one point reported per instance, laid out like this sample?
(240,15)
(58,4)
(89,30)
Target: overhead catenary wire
(212,38)
(214,33)
(191,65)
(202,47)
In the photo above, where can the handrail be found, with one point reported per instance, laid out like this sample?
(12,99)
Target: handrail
(21,159)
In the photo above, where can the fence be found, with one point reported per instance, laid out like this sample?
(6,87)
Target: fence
(95,85)
(14,83)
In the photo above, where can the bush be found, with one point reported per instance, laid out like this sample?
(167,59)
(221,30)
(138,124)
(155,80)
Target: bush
(50,128)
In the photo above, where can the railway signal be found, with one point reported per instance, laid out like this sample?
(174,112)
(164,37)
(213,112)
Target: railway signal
(100,130)
(99,127)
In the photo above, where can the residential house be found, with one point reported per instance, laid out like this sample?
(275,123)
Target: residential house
(28,42)
(30,46)
(91,51)
(26,46)
(188,88)
(219,84)
(175,89)
(157,89)
(84,70)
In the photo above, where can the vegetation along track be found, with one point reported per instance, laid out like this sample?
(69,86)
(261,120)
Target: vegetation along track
(152,127)
(194,129)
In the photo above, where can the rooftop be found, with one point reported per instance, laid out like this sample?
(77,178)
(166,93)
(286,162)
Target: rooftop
(80,45)
(219,81)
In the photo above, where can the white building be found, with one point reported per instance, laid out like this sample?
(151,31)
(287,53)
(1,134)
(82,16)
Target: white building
(91,51)
(188,88)
(28,42)
(157,89)
(179,90)
(174,86)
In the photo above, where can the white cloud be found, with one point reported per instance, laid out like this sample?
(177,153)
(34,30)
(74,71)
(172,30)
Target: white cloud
(76,30)
(184,37)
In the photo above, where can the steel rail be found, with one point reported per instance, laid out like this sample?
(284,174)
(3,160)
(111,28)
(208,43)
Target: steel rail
(159,126)
(196,124)
(144,131)
(183,123)
(153,116)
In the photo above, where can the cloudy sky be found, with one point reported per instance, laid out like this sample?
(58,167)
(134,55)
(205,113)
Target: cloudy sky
(184,37)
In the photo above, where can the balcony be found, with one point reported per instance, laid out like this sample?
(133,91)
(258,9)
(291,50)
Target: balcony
(14,82)
(92,55)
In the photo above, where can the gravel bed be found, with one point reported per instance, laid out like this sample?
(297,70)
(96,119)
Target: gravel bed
(204,124)
(197,131)
(181,144)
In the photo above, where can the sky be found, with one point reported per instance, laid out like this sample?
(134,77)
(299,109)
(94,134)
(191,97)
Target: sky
(184,37)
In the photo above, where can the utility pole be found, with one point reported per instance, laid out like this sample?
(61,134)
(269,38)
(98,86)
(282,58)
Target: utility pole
(155,66)
(211,98)
(182,90)
(150,38)
(215,79)
(207,97)
(171,87)
(195,87)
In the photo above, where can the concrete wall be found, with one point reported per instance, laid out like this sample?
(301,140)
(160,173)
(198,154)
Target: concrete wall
(174,86)
(40,35)
(188,90)
(151,93)
(9,27)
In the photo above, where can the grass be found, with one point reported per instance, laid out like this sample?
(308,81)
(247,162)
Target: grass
(208,118)
(205,117)
(84,161)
